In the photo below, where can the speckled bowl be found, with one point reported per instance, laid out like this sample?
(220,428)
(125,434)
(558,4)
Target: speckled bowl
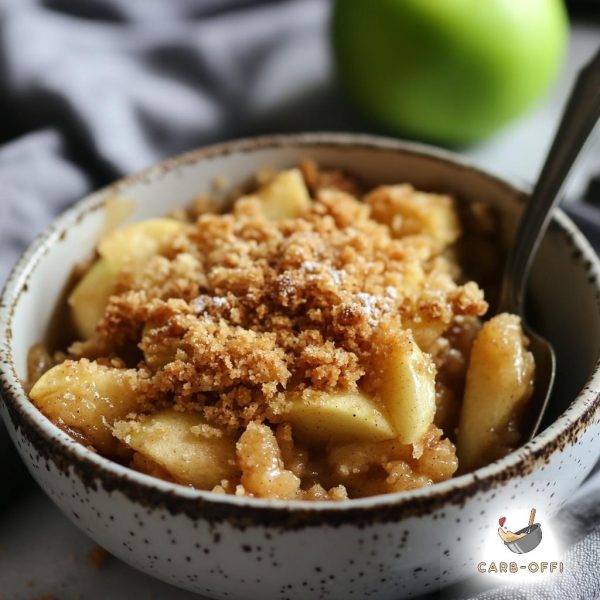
(388,546)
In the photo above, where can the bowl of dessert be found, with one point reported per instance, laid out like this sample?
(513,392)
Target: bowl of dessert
(272,367)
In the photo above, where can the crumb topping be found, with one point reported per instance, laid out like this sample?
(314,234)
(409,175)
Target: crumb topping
(243,308)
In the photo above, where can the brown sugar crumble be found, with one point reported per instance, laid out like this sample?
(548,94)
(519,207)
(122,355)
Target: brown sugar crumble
(239,315)
(97,557)
(247,307)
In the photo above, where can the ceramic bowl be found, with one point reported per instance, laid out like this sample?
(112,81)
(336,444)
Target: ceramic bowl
(529,542)
(390,546)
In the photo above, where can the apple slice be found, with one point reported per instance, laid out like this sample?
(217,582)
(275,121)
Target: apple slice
(85,398)
(176,442)
(126,246)
(90,296)
(409,212)
(407,385)
(140,241)
(285,197)
(322,417)
(499,384)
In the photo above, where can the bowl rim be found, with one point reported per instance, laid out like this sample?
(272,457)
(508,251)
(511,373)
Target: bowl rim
(56,446)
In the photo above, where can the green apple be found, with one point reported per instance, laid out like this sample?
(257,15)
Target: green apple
(449,70)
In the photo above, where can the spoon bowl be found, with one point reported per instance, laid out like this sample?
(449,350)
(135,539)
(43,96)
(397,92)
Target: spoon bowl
(545,372)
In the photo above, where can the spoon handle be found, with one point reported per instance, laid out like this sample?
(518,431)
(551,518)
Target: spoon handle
(578,121)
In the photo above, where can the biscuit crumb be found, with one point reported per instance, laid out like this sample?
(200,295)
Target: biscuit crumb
(97,557)
(247,308)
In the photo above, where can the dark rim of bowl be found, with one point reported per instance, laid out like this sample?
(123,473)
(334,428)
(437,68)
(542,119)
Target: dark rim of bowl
(94,471)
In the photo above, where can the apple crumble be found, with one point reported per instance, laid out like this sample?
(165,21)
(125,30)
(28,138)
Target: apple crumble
(315,342)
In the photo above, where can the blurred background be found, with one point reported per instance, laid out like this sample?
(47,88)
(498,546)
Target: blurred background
(94,89)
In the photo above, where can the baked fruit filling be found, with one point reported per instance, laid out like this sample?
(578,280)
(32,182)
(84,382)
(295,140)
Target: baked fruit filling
(314,342)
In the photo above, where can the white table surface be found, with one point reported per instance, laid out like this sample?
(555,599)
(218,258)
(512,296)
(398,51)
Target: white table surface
(43,554)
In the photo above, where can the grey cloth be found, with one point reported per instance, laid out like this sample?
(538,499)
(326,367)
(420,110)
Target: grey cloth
(93,89)
(37,182)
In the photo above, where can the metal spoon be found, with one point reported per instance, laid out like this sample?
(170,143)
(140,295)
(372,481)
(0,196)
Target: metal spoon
(579,118)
